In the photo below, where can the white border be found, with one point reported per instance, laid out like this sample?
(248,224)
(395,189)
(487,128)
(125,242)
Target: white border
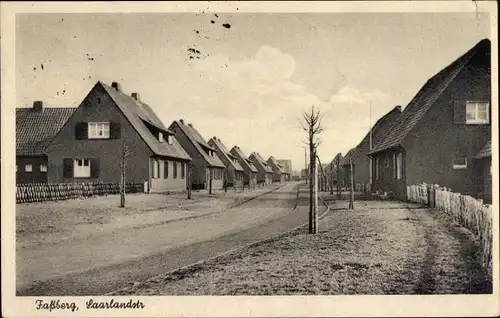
(227,306)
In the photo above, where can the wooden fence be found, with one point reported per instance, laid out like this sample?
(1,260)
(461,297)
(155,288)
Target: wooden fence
(467,211)
(38,192)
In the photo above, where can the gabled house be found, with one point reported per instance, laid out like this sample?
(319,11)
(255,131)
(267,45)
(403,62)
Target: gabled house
(234,171)
(278,171)
(287,168)
(361,162)
(440,132)
(265,172)
(345,169)
(107,126)
(207,170)
(35,129)
(484,159)
(250,178)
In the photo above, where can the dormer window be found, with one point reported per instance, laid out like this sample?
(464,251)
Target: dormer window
(160,136)
(169,139)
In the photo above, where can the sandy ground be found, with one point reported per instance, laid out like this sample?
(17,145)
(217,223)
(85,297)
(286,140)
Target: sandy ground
(379,248)
(95,264)
(53,222)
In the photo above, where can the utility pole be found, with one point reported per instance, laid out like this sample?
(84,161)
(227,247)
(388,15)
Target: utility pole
(124,155)
(331,178)
(305,164)
(210,181)
(315,200)
(351,197)
(338,177)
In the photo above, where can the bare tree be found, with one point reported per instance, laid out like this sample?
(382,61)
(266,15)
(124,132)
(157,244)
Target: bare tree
(311,123)
(125,153)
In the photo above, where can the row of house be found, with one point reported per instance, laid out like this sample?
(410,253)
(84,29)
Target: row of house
(88,143)
(443,135)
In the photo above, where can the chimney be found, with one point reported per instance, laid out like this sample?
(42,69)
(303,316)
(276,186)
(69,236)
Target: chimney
(38,106)
(190,125)
(398,107)
(135,96)
(116,86)
(181,121)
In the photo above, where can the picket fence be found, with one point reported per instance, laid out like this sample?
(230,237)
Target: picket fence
(467,211)
(38,192)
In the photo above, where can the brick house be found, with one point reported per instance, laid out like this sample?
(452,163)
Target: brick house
(250,177)
(206,166)
(484,159)
(35,129)
(278,170)
(359,155)
(287,168)
(264,171)
(437,136)
(89,147)
(234,171)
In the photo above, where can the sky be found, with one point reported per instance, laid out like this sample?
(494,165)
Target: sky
(246,77)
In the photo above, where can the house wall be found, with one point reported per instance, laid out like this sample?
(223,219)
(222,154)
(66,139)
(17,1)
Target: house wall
(437,139)
(35,176)
(106,151)
(217,184)
(387,182)
(199,167)
(262,175)
(162,184)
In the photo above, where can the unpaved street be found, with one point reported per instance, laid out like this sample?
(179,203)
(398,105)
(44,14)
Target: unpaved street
(104,263)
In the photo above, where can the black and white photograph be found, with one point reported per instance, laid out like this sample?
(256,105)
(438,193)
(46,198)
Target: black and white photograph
(307,152)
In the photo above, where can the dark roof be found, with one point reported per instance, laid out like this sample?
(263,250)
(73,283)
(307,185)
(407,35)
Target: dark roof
(377,131)
(237,150)
(347,158)
(137,114)
(261,160)
(426,97)
(36,129)
(275,163)
(233,161)
(485,152)
(199,143)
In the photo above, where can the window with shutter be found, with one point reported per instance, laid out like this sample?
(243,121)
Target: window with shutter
(477,112)
(165,169)
(98,130)
(156,168)
(81,168)
(183,171)
(175,169)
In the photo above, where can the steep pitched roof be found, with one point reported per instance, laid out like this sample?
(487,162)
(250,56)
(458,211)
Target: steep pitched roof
(378,131)
(199,143)
(261,160)
(426,97)
(36,129)
(137,114)
(237,150)
(227,155)
(485,152)
(275,163)
(346,160)
(286,164)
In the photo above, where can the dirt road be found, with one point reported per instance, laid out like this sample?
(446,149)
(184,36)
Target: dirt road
(99,265)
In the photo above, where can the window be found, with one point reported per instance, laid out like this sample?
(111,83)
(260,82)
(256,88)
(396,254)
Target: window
(81,168)
(99,100)
(156,168)
(460,163)
(183,171)
(165,169)
(169,139)
(98,131)
(399,166)
(175,169)
(160,136)
(377,168)
(28,168)
(477,112)
(43,168)
(394,165)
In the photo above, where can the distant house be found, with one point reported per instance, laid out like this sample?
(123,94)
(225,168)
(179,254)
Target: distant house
(278,170)
(90,146)
(345,170)
(287,168)
(359,154)
(206,165)
(265,172)
(440,132)
(250,177)
(234,171)
(338,172)
(35,129)
(484,159)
